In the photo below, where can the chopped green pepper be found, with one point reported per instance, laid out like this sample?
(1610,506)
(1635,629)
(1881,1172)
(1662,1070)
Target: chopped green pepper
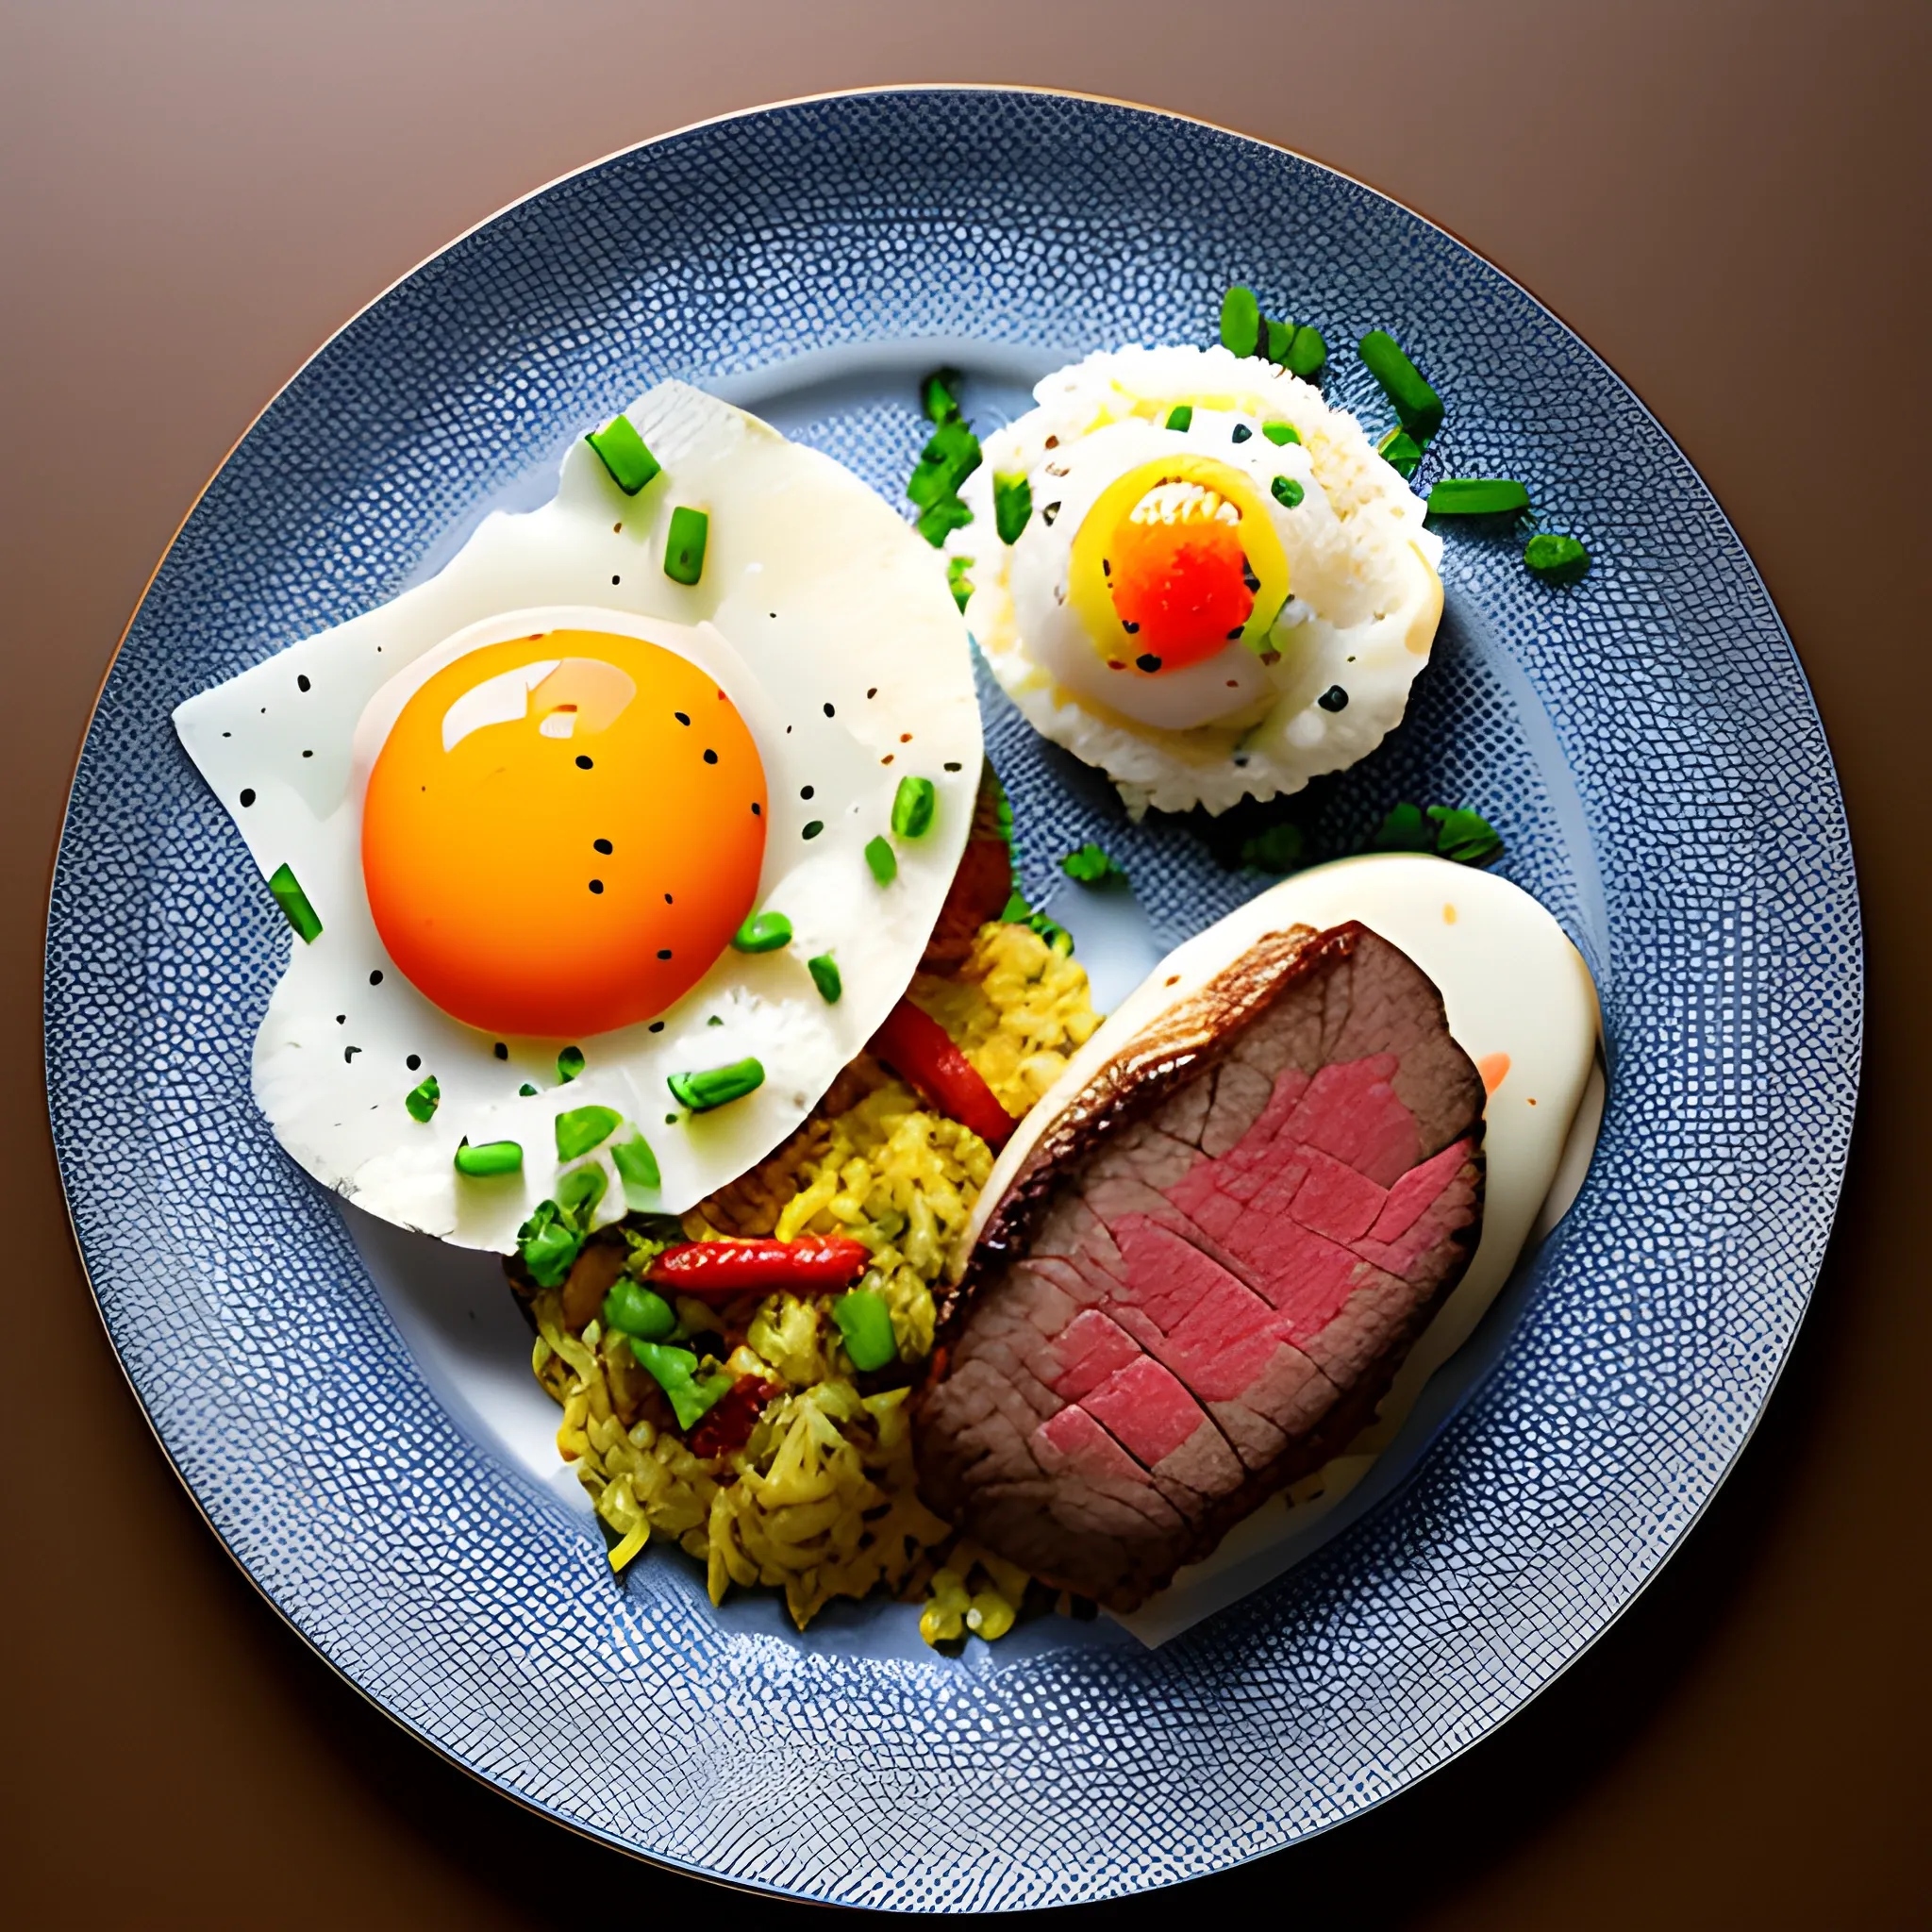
(637,1168)
(1416,403)
(1285,491)
(570,1063)
(1240,320)
(631,465)
(913,804)
(548,1244)
(883,860)
(631,1308)
(1181,416)
(423,1098)
(491,1158)
(675,1372)
(716,1086)
(1280,433)
(1012,505)
(1477,496)
(763,932)
(1554,559)
(825,976)
(294,901)
(583,1127)
(1401,452)
(684,546)
(866,1325)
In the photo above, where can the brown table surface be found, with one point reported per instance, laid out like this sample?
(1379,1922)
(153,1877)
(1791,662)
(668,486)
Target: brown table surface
(1728,201)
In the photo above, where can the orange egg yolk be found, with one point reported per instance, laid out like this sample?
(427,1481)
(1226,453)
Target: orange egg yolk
(1179,578)
(562,833)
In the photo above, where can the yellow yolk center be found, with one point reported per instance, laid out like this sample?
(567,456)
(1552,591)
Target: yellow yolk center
(562,833)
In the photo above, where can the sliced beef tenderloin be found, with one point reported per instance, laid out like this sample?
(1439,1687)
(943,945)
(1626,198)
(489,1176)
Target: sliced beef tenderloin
(1207,1270)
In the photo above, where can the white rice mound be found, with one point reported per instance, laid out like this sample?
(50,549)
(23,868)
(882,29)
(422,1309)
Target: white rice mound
(1365,597)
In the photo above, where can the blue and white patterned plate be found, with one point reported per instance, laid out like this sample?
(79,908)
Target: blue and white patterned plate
(1645,741)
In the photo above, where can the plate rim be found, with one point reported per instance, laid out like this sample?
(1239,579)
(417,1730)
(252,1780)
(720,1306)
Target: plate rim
(1855,965)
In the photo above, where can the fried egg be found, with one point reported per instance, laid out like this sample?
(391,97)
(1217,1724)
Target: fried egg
(590,867)
(1220,589)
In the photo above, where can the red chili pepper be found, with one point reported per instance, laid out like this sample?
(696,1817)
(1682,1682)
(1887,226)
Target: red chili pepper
(915,1045)
(717,1271)
(734,1415)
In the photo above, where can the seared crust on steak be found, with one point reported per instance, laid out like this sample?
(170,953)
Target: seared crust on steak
(1208,1267)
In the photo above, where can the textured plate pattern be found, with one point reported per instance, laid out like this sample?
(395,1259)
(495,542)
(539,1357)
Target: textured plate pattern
(1646,740)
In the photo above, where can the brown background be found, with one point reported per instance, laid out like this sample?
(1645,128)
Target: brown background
(1730,202)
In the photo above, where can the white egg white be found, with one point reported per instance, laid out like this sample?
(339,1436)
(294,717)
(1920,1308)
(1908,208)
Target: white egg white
(830,625)
(1520,1003)
(1364,596)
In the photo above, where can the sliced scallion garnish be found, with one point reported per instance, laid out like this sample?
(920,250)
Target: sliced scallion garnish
(1181,416)
(825,976)
(1240,320)
(423,1098)
(716,1086)
(1477,496)
(1416,403)
(294,903)
(684,546)
(958,581)
(631,465)
(637,1168)
(583,1127)
(1013,506)
(913,804)
(1400,451)
(1280,433)
(1554,559)
(570,1063)
(883,860)
(763,932)
(491,1158)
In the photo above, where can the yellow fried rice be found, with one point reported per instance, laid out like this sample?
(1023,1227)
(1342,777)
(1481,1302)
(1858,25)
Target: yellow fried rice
(822,1501)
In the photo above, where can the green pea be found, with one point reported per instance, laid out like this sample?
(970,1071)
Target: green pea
(1285,491)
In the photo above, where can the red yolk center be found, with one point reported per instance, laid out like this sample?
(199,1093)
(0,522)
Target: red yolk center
(1180,588)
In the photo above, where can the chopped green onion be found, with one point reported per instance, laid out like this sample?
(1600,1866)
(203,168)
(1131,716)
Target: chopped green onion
(939,519)
(637,1168)
(570,1063)
(1401,452)
(958,581)
(1280,432)
(583,1127)
(631,1308)
(1277,849)
(1556,560)
(491,1158)
(549,1244)
(684,547)
(763,932)
(1012,505)
(631,465)
(1309,354)
(1181,416)
(295,903)
(1402,829)
(1018,912)
(824,975)
(580,1192)
(938,397)
(1416,403)
(1477,496)
(883,860)
(1058,937)
(912,807)
(526,1091)
(675,1372)
(866,1325)
(1277,339)
(1466,837)
(423,1098)
(1240,320)
(951,455)
(716,1086)
(1091,865)
(1285,491)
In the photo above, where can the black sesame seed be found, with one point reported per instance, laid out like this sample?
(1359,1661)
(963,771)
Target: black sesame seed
(873,691)
(1240,758)
(813,827)
(583,763)
(655,1026)
(1131,629)
(414,1060)
(248,796)
(681,718)
(953,764)
(341,1019)
(1332,699)
(757,811)
(502,1051)
(805,791)
(1236,632)
(830,713)
(664,952)
(1106,567)
(376,977)
(668,900)
(301,683)
(349,1052)
(710,757)
(1248,577)
(597,885)
(617,580)
(1148,661)
(1047,515)
(308,753)
(1241,432)
(602,845)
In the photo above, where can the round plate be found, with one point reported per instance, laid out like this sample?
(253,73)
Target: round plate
(1645,741)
